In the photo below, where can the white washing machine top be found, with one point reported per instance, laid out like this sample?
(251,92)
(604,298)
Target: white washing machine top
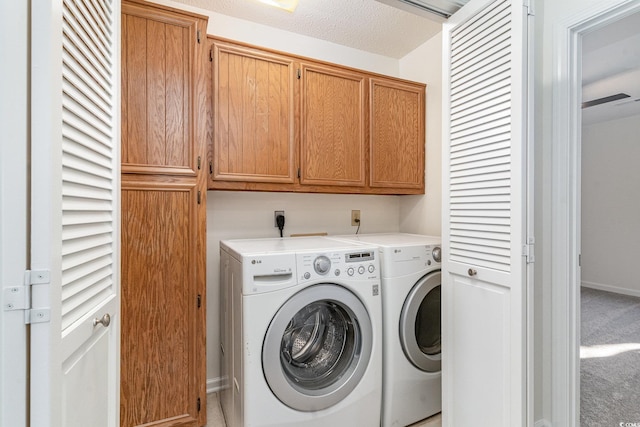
(392,240)
(247,247)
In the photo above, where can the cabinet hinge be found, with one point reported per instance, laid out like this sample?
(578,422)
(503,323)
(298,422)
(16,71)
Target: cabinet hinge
(299,75)
(199,300)
(199,405)
(210,55)
(198,35)
(199,162)
(19,297)
(199,196)
(528,250)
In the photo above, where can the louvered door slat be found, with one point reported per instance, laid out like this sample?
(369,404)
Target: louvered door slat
(480,131)
(471,64)
(455,226)
(481,94)
(482,151)
(84,109)
(75,90)
(476,44)
(75,35)
(90,31)
(87,158)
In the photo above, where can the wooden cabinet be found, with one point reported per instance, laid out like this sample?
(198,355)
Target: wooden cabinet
(397,136)
(333,141)
(253,100)
(286,123)
(163,209)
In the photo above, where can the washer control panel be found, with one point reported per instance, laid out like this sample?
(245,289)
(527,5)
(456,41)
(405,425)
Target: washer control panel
(359,264)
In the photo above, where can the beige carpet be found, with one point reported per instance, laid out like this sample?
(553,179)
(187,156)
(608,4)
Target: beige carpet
(610,359)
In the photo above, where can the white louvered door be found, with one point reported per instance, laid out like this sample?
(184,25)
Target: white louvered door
(74,212)
(484,215)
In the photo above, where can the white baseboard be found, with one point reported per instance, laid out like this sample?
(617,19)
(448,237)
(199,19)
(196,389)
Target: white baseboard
(610,288)
(214,384)
(542,423)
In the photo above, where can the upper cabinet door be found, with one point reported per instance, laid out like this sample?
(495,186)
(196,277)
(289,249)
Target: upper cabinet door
(397,137)
(253,102)
(157,91)
(333,111)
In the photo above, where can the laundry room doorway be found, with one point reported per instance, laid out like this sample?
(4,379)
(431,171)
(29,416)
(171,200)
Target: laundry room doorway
(609,297)
(589,159)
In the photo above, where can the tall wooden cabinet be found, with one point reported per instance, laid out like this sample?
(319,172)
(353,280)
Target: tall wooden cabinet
(164,113)
(287,123)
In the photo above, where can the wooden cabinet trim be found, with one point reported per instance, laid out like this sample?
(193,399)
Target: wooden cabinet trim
(145,9)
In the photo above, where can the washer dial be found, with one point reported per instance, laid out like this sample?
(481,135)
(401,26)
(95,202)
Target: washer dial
(322,264)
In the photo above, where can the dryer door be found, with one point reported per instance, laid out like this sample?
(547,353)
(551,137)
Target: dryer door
(317,347)
(420,324)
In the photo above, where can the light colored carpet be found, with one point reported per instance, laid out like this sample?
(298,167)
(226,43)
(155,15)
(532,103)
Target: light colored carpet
(216,419)
(610,359)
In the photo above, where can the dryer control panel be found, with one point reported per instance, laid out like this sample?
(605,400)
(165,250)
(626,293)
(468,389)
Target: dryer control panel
(346,265)
(403,260)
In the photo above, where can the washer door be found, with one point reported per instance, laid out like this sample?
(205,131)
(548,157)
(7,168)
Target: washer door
(420,330)
(317,347)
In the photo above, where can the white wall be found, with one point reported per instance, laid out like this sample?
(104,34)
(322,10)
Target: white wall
(611,205)
(422,213)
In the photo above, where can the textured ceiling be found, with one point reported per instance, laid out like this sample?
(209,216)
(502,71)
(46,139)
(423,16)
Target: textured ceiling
(361,24)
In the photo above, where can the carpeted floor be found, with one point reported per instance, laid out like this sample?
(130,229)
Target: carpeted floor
(610,359)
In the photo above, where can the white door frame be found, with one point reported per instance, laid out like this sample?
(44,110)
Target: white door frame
(14,39)
(565,196)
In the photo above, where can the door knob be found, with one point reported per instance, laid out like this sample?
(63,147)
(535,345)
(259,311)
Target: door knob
(106,319)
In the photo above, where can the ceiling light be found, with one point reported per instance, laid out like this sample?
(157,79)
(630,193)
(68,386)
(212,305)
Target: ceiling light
(288,5)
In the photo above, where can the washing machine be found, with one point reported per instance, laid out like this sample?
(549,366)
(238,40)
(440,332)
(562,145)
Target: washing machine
(411,306)
(301,333)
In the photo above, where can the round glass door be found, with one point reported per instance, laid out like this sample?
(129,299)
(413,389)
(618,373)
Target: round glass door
(317,347)
(420,324)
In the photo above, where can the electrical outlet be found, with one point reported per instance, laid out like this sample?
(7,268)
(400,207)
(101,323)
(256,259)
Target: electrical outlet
(275,215)
(355,217)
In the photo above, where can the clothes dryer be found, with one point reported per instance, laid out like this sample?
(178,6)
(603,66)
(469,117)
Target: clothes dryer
(411,308)
(302,333)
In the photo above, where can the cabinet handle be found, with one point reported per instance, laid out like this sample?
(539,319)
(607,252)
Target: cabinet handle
(472,272)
